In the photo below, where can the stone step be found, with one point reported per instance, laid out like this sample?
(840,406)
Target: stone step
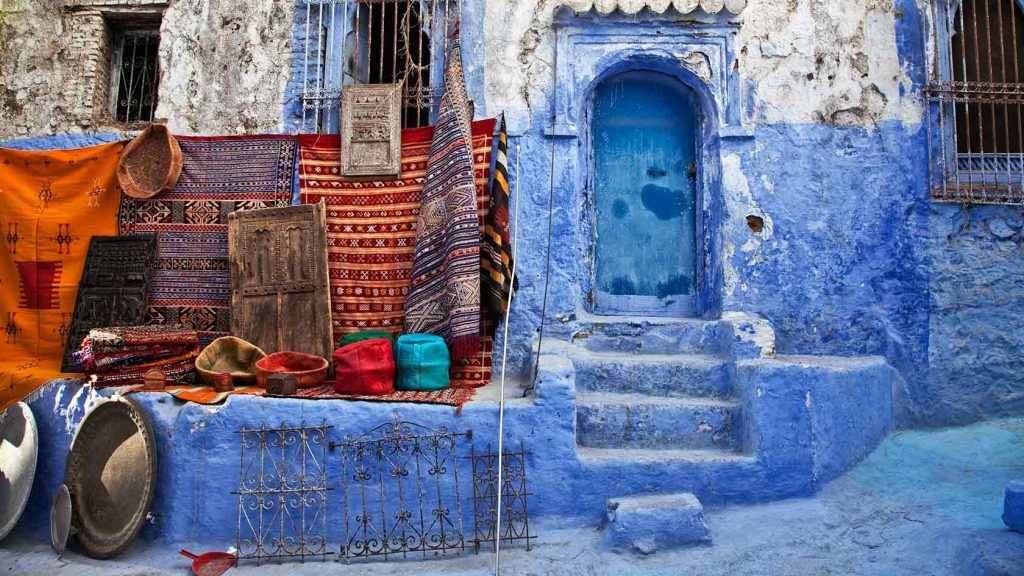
(605,420)
(638,335)
(669,375)
(651,523)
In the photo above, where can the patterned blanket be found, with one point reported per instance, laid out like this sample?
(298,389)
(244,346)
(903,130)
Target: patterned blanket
(221,174)
(371,233)
(122,355)
(444,294)
(51,203)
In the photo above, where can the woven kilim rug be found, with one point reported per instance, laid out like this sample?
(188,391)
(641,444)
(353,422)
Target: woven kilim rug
(206,395)
(371,234)
(221,174)
(51,203)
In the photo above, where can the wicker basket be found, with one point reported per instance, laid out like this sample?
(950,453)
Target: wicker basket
(151,163)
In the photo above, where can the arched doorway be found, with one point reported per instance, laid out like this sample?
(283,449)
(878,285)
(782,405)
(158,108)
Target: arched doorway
(645,177)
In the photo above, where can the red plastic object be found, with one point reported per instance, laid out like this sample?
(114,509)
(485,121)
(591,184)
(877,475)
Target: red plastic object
(310,370)
(366,367)
(211,563)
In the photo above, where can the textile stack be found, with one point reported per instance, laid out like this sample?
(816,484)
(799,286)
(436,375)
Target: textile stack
(121,356)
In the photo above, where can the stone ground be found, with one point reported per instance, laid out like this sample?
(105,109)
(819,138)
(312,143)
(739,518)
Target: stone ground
(925,502)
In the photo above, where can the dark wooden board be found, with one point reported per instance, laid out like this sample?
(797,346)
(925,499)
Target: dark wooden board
(113,289)
(280,296)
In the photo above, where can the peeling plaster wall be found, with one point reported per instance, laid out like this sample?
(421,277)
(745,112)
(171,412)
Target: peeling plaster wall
(224,67)
(803,61)
(833,162)
(226,64)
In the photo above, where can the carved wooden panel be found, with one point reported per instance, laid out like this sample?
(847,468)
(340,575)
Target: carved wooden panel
(280,297)
(371,130)
(113,289)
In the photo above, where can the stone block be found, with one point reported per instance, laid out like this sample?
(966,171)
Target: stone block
(1013,505)
(648,524)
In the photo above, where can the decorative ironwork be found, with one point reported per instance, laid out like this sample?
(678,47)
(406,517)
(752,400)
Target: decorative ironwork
(400,490)
(373,42)
(515,517)
(975,93)
(135,75)
(371,130)
(282,492)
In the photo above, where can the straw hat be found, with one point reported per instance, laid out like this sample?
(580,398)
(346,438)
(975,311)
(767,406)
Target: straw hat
(151,163)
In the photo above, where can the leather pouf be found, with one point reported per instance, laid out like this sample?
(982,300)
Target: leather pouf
(365,367)
(422,361)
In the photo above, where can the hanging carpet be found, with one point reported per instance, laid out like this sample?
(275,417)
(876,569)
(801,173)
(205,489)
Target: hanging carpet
(220,175)
(371,235)
(444,293)
(51,203)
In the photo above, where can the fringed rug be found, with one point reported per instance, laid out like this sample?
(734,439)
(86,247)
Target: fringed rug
(221,174)
(371,235)
(206,395)
(51,203)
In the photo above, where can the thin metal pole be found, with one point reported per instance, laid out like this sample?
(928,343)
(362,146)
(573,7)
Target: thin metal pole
(305,71)
(504,357)
(551,208)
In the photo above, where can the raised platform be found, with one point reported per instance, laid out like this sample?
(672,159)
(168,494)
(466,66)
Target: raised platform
(760,428)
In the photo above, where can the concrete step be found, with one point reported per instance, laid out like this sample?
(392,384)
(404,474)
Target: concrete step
(651,523)
(606,420)
(669,375)
(639,335)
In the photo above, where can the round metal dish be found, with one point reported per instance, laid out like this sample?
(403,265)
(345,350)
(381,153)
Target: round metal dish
(111,473)
(19,450)
(60,520)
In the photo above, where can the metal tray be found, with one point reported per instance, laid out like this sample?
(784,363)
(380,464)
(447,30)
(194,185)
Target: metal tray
(111,473)
(19,450)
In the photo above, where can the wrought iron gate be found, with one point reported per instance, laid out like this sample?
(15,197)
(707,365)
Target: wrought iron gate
(282,492)
(413,466)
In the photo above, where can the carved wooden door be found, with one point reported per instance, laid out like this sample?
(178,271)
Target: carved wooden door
(280,297)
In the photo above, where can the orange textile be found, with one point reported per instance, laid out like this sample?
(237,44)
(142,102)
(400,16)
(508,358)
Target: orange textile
(51,203)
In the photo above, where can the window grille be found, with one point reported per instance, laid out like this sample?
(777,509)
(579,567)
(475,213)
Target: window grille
(373,42)
(135,75)
(975,93)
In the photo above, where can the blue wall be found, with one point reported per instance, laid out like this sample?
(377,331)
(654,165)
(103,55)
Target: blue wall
(859,260)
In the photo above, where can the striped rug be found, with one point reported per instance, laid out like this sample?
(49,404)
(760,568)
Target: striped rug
(371,234)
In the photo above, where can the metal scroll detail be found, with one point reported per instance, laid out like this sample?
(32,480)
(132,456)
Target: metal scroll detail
(400,491)
(371,130)
(282,492)
(515,517)
(113,288)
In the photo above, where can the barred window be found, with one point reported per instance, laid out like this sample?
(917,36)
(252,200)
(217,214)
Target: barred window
(372,42)
(976,92)
(135,74)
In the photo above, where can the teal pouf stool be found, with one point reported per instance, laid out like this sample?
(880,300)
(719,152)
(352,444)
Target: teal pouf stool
(422,361)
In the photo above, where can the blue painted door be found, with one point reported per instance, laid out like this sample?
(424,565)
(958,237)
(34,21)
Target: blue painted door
(644,127)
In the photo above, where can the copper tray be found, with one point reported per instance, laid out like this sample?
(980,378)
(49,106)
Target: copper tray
(19,450)
(111,474)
